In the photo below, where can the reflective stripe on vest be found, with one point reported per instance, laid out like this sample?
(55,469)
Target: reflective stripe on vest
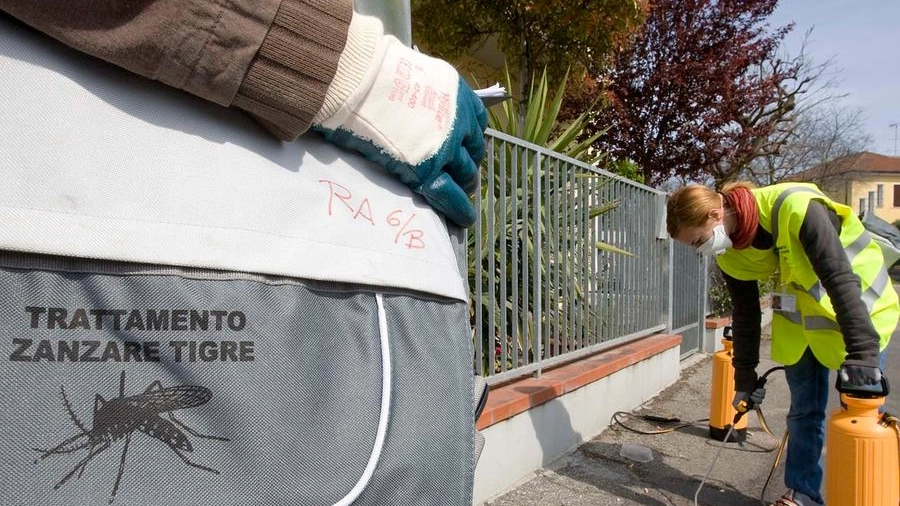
(809,322)
(869,297)
(777,207)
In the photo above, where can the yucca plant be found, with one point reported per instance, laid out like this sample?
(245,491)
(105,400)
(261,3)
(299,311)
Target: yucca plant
(533,119)
(512,229)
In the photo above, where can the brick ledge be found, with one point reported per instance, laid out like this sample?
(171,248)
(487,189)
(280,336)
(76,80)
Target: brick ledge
(717,323)
(519,396)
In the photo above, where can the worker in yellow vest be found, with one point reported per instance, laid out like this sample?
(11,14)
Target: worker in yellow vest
(836,307)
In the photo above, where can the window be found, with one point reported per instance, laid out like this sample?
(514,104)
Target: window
(879,196)
(897,195)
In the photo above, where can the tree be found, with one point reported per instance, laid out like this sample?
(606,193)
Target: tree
(818,136)
(820,129)
(690,95)
(531,34)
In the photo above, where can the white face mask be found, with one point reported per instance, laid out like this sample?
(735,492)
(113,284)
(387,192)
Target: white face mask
(717,243)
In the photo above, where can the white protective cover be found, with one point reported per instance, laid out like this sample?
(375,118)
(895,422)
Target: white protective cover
(99,163)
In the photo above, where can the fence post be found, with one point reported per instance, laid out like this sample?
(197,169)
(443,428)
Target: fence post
(670,292)
(703,288)
(538,342)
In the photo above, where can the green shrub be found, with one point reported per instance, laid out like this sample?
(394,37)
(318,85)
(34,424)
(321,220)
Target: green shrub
(719,300)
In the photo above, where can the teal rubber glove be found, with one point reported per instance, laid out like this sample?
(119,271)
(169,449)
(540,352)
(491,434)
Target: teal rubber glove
(415,116)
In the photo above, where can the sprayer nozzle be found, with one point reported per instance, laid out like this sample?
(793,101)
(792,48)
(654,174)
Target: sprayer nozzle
(742,409)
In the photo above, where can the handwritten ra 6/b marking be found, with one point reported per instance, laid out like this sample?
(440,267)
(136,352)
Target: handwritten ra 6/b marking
(121,416)
(413,237)
(405,234)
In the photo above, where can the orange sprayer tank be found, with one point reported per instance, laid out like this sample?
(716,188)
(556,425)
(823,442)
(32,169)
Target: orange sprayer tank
(721,412)
(862,461)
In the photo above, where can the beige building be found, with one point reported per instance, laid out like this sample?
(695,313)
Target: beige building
(862,181)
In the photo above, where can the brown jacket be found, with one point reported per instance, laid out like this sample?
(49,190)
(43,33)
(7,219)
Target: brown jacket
(271,58)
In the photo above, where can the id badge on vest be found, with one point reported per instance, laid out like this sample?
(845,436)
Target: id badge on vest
(784,302)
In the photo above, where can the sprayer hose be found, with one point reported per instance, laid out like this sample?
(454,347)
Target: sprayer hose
(762,422)
(775,463)
(893,422)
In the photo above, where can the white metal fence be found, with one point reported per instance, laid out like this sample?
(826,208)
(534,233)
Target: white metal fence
(544,292)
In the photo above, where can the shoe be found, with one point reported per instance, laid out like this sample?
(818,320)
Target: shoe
(792,498)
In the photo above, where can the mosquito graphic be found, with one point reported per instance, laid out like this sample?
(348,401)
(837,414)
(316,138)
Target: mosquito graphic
(121,416)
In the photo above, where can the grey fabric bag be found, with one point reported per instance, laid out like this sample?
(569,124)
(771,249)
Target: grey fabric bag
(144,385)
(886,235)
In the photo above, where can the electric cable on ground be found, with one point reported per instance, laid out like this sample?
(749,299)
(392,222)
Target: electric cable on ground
(676,423)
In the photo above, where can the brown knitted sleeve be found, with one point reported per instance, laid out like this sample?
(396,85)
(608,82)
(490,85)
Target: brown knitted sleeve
(201,46)
(271,58)
(287,81)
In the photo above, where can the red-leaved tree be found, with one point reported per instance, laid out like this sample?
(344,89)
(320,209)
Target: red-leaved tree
(691,95)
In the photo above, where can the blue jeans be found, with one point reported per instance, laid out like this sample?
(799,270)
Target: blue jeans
(808,383)
(809,386)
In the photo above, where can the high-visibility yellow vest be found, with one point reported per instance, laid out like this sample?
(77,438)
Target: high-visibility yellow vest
(782,208)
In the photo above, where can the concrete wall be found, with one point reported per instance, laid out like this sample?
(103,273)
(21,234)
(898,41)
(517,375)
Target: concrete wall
(518,447)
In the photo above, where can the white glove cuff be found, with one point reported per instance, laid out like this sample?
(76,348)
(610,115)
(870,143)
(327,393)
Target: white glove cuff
(362,38)
(405,104)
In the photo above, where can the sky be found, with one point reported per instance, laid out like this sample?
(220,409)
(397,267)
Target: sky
(863,39)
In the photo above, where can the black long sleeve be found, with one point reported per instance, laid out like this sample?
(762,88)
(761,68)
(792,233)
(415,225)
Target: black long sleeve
(820,237)
(746,320)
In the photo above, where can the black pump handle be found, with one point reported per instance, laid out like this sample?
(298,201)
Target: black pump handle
(864,392)
(726,333)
